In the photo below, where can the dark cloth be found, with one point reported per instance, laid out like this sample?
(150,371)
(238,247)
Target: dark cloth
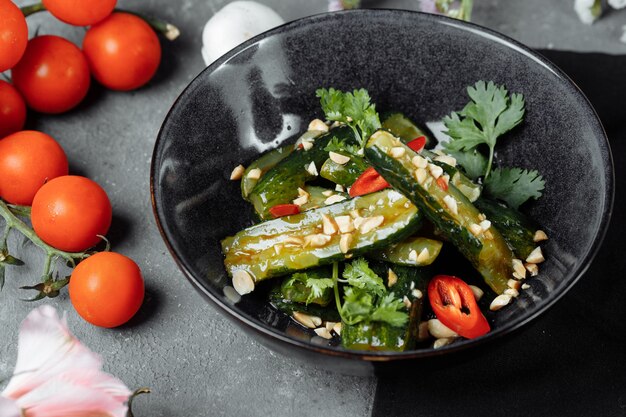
(571,361)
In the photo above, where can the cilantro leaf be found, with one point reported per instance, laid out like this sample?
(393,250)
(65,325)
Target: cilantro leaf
(357,305)
(318,287)
(359,275)
(514,185)
(336,145)
(354,109)
(390,310)
(488,115)
(473,162)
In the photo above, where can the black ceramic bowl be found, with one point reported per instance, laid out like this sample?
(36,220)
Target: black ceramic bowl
(262,94)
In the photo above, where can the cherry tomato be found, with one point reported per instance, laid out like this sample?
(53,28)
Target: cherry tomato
(368,182)
(123,51)
(70,212)
(13,34)
(454,305)
(53,75)
(27,160)
(417,144)
(12,109)
(80,12)
(281,210)
(106,289)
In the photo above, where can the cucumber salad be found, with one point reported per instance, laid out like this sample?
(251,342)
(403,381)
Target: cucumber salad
(366,219)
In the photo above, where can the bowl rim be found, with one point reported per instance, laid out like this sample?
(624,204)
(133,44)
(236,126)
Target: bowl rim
(378,356)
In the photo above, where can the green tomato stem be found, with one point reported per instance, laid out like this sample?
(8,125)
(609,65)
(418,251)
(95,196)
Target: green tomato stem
(32,9)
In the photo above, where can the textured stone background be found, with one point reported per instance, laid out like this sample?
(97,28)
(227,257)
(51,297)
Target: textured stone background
(196,363)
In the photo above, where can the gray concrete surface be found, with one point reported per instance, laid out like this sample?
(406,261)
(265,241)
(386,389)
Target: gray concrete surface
(196,362)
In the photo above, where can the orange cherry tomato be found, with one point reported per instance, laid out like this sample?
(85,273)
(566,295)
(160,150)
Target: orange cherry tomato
(27,160)
(13,34)
(80,12)
(368,182)
(12,109)
(70,212)
(123,51)
(454,305)
(53,75)
(281,210)
(106,289)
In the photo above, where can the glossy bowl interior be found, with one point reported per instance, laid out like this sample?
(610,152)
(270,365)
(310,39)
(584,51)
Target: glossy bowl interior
(262,94)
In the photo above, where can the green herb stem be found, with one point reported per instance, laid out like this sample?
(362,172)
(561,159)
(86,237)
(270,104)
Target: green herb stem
(336,287)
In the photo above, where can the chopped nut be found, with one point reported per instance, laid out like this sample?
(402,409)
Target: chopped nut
(512,292)
(419,161)
(355,213)
(539,236)
(475,229)
(338,158)
(358,221)
(243,282)
(312,169)
(302,192)
(412,284)
(329,325)
(536,256)
(513,283)
(293,241)
(254,174)
(420,175)
(397,152)
(334,199)
(337,328)
(533,269)
(416,293)
(327,193)
(344,242)
(478,293)
(439,343)
(446,159)
(317,240)
(488,235)
(339,188)
(406,301)
(435,170)
(323,332)
(439,330)
(485,225)
(307,144)
(237,172)
(307,320)
(392,278)
(451,203)
(423,256)
(317,124)
(371,223)
(518,269)
(303,199)
(413,256)
(499,302)
(329,225)
(344,223)
(278,248)
(360,152)
(445,178)
(482,217)
(525,286)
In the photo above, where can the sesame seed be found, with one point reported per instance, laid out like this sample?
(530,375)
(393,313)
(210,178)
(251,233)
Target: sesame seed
(254,174)
(536,256)
(318,125)
(237,172)
(451,203)
(392,278)
(539,236)
(243,282)
(334,199)
(338,158)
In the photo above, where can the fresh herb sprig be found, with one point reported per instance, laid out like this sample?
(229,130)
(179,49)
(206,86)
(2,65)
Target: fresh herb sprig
(355,109)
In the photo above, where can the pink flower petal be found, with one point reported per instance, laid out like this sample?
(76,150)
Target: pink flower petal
(9,408)
(46,348)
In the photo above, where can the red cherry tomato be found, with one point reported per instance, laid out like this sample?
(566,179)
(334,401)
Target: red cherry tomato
(27,160)
(123,51)
(80,12)
(12,109)
(368,182)
(281,210)
(13,34)
(70,212)
(454,305)
(106,289)
(53,75)
(417,144)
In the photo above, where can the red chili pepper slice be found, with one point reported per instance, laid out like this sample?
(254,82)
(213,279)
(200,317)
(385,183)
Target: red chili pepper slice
(454,305)
(442,183)
(417,144)
(281,210)
(368,182)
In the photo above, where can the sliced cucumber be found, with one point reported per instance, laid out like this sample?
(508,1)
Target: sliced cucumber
(404,128)
(264,163)
(414,251)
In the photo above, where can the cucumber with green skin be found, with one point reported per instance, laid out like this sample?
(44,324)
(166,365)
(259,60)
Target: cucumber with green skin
(317,197)
(264,163)
(488,252)
(378,336)
(400,253)
(280,184)
(469,188)
(326,313)
(345,174)
(277,247)
(295,289)
(404,128)
(517,229)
